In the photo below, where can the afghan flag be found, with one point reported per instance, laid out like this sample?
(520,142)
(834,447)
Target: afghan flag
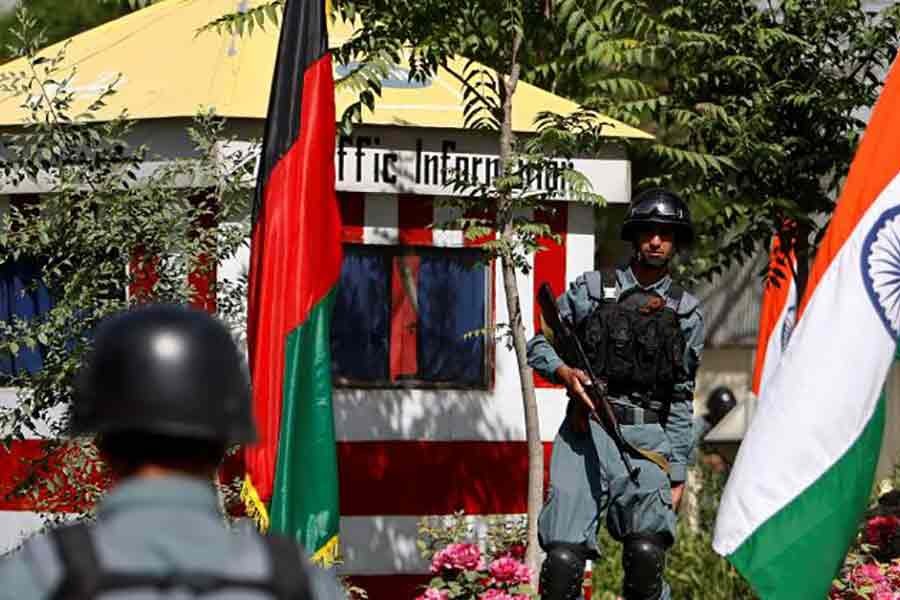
(805,469)
(294,267)
(778,312)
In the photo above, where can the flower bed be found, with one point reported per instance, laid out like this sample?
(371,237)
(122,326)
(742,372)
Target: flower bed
(872,568)
(463,570)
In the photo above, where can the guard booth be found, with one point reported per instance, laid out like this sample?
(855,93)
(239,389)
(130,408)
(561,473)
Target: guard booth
(429,418)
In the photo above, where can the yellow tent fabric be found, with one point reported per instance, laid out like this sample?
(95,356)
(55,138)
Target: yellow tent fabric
(169,70)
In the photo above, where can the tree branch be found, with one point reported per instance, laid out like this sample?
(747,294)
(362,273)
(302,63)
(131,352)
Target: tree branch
(470,87)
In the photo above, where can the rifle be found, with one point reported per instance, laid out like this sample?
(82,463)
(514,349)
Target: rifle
(559,333)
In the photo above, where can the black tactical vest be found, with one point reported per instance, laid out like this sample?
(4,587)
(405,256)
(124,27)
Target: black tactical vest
(634,341)
(85,578)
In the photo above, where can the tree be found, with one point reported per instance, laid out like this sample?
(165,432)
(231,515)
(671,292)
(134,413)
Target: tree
(757,107)
(99,212)
(60,20)
(428,38)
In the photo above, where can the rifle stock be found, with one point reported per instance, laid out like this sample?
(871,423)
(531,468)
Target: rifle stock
(567,344)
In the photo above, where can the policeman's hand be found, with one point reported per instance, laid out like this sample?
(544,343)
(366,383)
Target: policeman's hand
(677,492)
(575,381)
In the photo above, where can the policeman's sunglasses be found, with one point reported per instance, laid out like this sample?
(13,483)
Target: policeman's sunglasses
(656,207)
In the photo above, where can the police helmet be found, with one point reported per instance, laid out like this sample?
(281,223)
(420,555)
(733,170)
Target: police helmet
(719,402)
(657,206)
(164,370)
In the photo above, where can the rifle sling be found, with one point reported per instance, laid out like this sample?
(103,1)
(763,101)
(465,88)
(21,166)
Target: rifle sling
(655,457)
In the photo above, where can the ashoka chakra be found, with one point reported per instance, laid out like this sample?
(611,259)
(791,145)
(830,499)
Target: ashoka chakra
(881,268)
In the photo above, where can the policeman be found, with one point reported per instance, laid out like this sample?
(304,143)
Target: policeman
(165,390)
(644,335)
(718,404)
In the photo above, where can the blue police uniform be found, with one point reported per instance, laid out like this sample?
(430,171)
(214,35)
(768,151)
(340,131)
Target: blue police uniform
(158,526)
(588,480)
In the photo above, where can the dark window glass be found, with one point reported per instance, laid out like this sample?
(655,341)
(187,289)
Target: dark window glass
(22,296)
(451,305)
(410,316)
(360,324)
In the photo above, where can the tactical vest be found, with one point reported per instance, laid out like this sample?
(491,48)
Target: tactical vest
(634,341)
(85,578)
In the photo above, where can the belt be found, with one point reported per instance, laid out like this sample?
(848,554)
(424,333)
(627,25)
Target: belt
(633,415)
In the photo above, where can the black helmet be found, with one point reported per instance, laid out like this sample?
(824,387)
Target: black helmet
(165,370)
(719,402)
(659,206)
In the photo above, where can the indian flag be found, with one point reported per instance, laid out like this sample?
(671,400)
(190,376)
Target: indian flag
(778,312)
(295,265)
(805,468)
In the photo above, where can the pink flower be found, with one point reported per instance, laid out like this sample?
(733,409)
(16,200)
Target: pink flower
(433,594)
(872,572)
(509,570)
(494,594)
(886,595)
(523,575)
(880,529)
(457,557)
(893,572)
(867,574)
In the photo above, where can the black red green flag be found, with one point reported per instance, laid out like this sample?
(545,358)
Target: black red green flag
(294,267)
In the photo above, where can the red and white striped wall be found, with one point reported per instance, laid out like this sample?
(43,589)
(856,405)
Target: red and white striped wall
(20,515)
(407,453)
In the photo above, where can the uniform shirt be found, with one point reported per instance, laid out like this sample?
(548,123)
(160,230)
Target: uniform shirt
(577,303)
(156,525)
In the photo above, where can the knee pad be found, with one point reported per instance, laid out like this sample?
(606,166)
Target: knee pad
(644,559)
(562,572)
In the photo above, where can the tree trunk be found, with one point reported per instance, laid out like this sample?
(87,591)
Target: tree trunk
(517,329)
(532,425)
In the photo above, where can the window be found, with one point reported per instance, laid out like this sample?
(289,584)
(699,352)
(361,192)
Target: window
(22,296)
(402,316)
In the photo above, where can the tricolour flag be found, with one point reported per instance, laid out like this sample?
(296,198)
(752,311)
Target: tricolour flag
(294,268)
(778,312)
(805,469)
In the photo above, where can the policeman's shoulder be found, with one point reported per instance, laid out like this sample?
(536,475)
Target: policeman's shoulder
(32,569)
(688,303)
(593,282)
(581,280)
(325,586)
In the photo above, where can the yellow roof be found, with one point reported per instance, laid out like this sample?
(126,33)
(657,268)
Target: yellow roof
(170,71)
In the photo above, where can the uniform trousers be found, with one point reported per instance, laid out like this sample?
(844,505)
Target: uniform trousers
(589,485)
